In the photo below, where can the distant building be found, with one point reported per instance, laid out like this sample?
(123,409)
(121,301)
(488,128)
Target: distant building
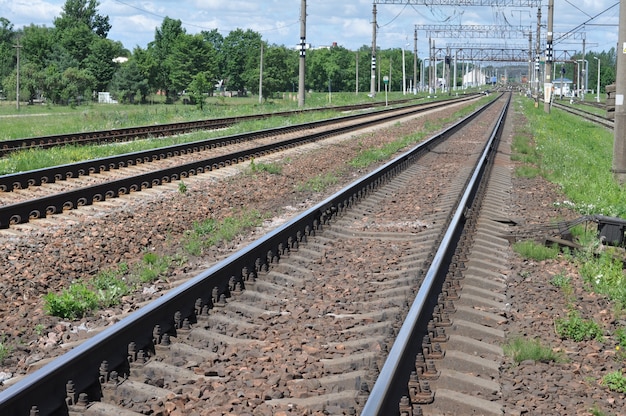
(105,98)
(474,78)
(563,86)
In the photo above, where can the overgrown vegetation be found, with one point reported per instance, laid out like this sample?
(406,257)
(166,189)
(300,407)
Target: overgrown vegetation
(273,168)
(535,251)
(106,289)
(577,156)
(615,381)
(578,329)
(209,232)
(521,349)
(5,350)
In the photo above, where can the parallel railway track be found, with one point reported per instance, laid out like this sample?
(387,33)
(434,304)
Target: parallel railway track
(161,130)
(178,349)
(603,121)
(201,157)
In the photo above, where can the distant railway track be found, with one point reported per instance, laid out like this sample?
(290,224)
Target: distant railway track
(340,277)
(161,130)
(603,121)
(26,206)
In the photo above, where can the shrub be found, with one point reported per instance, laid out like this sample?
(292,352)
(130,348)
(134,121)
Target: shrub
(615,381)
(578,329)
(74,302)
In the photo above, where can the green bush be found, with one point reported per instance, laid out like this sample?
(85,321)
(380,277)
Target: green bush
(110,288)
(578,329)
(615,381)
(72,303)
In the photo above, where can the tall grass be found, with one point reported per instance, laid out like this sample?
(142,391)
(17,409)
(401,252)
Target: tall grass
(576,155)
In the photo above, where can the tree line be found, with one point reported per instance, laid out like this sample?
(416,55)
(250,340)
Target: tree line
(73,60)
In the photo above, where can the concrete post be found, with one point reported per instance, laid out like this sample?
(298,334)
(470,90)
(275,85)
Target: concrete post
(619,144)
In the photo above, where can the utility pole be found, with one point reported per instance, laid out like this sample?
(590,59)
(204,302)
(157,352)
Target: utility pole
(530,61)
(261,77)
(619,143)
(547,93)
(447,68)
(373,81)
(403,72)
(538,53)
(415,63)
(17,92)
(585,76)
(301,86)
(357,74)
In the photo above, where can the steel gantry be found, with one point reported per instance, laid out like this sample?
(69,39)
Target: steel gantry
(453,32)
(475,31)
(497,3)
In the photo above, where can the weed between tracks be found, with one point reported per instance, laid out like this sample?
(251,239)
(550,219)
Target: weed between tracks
(520,349)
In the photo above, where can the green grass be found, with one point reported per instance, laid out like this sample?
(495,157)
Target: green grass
(575,328)
(615,381)
(100,117)
(5,350)
(273,168)
(44,120)
(72,303)
(319,183)
(106,289)
(520,349)
(535,251)
(209,232)
(110,287)
(577,156)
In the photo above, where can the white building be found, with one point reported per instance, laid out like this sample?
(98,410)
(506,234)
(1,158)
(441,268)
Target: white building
(474,78)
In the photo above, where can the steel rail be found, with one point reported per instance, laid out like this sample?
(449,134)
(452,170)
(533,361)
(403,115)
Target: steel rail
(595,118)
(161,130)
(23,212)
(23,180)
(392,382)
(55,387)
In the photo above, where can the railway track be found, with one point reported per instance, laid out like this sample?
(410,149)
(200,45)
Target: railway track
(96,180)
(161,130)
(603,121)
(302,318)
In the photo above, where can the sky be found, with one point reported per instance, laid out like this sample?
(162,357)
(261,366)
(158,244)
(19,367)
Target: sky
(346,22)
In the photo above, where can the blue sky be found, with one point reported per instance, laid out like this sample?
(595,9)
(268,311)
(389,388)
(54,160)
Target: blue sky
(347,22)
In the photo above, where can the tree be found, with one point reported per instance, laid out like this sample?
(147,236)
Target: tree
(99,62)
(130,81)
(190,55)
(280,70)
(7,50)
(241,52)
(199,86)
(165,41)
(83,12)
(148,68)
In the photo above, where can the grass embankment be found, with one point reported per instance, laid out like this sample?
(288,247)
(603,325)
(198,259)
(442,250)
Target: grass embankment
(577,156)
